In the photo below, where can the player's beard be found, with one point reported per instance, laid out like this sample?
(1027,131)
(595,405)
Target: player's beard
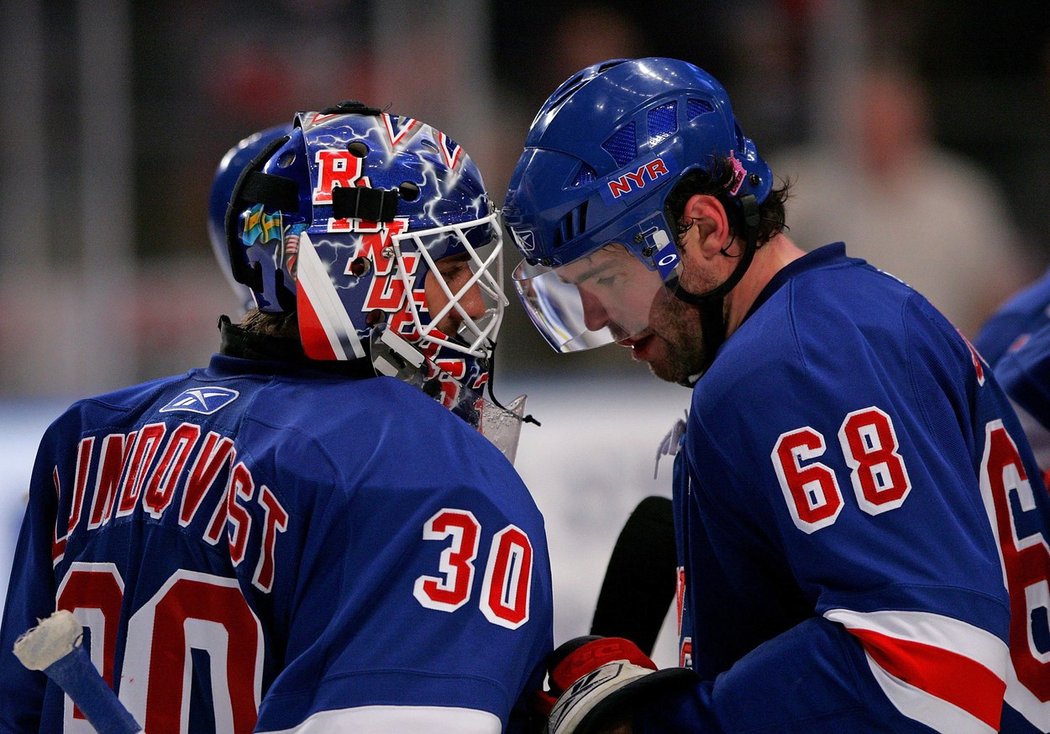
(678,353)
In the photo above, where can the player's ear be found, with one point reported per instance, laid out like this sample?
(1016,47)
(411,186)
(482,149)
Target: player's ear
(710,232)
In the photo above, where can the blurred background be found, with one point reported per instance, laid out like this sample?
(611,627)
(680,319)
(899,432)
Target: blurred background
(114,114)
(916,132)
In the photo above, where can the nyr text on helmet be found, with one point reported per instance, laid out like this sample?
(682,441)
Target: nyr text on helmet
(637,179)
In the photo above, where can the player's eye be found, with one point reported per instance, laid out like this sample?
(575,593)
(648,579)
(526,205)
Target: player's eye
(453,271)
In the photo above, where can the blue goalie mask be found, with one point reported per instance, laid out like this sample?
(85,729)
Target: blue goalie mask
(377,232)
(585,205)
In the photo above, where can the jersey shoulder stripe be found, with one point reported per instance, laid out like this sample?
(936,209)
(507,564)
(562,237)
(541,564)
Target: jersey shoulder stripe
(385,719)
(923,661)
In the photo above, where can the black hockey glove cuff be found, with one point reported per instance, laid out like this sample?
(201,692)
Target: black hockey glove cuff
(595,683)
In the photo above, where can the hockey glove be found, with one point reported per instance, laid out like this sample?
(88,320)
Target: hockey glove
(594,683)
(584,671)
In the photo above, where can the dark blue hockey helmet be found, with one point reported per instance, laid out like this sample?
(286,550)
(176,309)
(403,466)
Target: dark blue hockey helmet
(600,159)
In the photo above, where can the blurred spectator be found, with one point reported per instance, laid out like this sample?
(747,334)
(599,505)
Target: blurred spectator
(1029,161)
(578,35)
(905,204)
(588,34)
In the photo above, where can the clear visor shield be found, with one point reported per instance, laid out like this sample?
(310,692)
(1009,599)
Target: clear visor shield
(605,296)
(463,290)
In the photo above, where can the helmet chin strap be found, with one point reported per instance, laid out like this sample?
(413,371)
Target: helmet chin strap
(711,303)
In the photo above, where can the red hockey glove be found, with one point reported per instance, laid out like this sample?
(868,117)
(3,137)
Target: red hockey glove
(596,684)
(584,671)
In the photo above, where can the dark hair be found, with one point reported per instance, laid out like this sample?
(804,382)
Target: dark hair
(716,182)
(281,325)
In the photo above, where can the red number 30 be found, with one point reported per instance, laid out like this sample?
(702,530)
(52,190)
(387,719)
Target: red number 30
(508,573)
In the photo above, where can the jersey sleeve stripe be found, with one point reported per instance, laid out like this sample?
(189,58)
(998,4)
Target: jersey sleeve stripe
(929,655)
(945,675)
(388,719)
(936,713)
(938,630)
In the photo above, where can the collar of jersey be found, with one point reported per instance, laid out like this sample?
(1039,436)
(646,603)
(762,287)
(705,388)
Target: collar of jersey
(818,258)
(277,354)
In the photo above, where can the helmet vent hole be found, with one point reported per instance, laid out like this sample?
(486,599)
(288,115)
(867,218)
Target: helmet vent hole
(579,219)
(696,107)
(584,175)
(566,91)
(662,122)
(359,266)
(621,145)
(571,225)
(409,191)
(563,234)
(358,149)
(602,68)
(286,159)
(562,93)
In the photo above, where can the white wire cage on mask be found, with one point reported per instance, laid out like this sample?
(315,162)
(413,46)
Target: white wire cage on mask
(475,332)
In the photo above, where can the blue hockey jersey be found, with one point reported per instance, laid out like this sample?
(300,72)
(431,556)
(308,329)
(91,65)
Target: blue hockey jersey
(862,530)
(260,546)
(1022,315)
(1016,342)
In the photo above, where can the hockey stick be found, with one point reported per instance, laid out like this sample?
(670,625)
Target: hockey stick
(640,579)
(54,647)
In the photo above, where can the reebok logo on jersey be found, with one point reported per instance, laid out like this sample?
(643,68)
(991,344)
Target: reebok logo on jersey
(203,400)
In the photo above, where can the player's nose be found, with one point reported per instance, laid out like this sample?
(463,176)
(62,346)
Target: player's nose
(595,316)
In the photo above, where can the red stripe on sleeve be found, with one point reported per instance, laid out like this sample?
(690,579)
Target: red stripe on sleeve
(947,675)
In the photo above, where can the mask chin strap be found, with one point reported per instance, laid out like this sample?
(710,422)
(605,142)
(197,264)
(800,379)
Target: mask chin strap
(712,312)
